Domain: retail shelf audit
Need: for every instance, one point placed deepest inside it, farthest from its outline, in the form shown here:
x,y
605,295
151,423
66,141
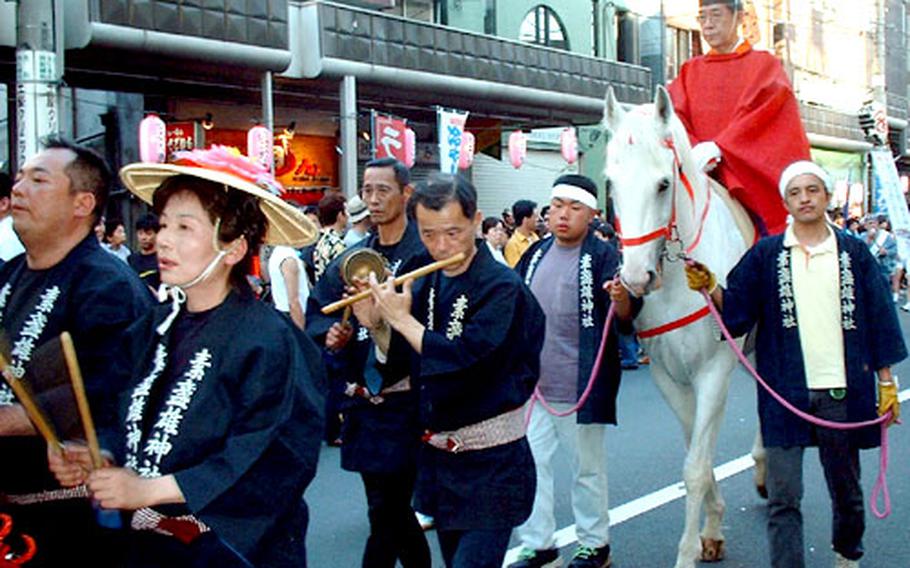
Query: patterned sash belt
x,y
355,390
496,431
185,528
78,492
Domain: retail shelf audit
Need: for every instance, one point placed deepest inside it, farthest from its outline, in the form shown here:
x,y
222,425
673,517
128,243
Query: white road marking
x,y
627,511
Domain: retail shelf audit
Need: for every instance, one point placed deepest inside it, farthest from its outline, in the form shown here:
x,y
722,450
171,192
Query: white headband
x,y
804,167
575,193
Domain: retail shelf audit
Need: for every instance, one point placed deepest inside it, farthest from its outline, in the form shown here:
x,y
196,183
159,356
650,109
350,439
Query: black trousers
x,y
395,533
474,548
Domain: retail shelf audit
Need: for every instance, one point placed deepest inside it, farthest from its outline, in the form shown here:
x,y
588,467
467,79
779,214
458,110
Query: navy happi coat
x,y
759,292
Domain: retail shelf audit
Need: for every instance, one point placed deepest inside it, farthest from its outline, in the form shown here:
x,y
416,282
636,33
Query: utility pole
x,y
38,75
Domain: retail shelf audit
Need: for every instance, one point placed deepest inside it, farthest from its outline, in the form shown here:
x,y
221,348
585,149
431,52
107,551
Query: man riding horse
x,y
741,115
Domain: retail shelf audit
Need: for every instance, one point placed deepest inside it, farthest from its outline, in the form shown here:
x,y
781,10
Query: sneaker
x,y
841,562
590,557
906,307
426,521
529,558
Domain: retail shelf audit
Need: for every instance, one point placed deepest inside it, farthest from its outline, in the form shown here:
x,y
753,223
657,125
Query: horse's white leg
x,y
711,387
761,464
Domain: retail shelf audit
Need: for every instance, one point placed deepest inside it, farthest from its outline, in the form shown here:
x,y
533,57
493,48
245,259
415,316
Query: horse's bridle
x,y
670,232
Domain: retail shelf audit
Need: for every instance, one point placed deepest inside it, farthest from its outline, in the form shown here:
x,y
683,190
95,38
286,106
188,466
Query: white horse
x,y
666,209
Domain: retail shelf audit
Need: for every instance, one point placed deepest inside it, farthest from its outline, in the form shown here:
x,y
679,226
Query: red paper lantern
x,y
568,143
259,146
518,148
152,140
410,148
466,157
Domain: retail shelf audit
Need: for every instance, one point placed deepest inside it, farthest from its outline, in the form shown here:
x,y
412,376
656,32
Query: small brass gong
x,y
360,263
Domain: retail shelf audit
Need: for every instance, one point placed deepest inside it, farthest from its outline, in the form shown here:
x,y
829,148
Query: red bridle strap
x,y
675,324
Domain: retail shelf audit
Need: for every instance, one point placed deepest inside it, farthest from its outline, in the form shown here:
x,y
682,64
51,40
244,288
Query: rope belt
x,y
354,390
489,433
185,528
78,492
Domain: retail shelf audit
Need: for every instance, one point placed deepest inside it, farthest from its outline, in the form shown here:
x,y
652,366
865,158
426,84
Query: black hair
x,y
330,207
488,224
442,189
110,225
88,172
402,173
522,209
238,211
148,222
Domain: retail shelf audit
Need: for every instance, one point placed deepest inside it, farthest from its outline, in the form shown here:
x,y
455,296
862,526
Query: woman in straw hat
x,y
222,422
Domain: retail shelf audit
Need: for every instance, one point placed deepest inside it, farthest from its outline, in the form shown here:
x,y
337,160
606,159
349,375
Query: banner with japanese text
x,y
388,136
451,132
889,197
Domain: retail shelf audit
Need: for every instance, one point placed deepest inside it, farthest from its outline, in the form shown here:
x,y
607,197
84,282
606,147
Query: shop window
x,y
421,10
542,27
683,44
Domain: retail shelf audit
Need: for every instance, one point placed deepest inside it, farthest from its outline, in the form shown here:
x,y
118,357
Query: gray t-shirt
x,y
555,285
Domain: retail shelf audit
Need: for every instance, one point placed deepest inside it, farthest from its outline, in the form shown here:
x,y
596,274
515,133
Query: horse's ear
x,y
663,105
613,111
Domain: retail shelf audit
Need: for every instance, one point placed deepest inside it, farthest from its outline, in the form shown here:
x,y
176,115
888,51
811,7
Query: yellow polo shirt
x,y
516,246
816,292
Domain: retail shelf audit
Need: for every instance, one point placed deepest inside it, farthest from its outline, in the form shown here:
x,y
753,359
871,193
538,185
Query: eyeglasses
x,y
712,16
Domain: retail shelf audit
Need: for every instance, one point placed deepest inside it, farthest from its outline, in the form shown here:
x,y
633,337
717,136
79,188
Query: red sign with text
x,y
389,137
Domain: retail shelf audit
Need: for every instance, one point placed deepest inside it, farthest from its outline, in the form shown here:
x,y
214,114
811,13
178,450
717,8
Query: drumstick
x,y
346,315
31,408
413,275
72,364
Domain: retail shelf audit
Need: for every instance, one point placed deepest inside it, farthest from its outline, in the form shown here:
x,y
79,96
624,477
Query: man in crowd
x,y
145,260
10,245
290,289
359,217
380,435
334,221
565,274
525,214
826,329
741,115
473,334
63,282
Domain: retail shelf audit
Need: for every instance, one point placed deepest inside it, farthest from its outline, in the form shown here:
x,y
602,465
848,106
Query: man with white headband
x,y
741,115
826,328
566,273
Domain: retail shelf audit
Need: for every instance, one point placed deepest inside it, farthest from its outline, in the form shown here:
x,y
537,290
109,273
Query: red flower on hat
x,y
230,161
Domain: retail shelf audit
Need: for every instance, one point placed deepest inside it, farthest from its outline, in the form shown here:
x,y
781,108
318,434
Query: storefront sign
x,y
184,136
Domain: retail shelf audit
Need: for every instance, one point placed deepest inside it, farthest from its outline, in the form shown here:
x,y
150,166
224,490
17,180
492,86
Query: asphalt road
x,y
645,454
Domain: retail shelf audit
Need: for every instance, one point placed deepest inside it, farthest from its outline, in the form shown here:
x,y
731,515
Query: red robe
x,y
743,102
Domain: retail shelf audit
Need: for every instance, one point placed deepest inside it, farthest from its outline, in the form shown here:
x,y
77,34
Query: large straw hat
x,y
287,225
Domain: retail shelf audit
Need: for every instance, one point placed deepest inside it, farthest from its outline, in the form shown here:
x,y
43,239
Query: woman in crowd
x,y
220,427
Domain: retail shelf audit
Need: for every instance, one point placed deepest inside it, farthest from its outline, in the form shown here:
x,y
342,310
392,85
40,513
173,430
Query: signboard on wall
x,y
184,136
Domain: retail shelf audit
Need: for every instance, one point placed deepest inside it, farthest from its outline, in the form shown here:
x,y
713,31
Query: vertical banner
x,y
450,124
889,198
388,136
36,100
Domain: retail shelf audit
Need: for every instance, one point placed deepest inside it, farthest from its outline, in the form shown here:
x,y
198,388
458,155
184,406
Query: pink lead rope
x,y
881,483
538,396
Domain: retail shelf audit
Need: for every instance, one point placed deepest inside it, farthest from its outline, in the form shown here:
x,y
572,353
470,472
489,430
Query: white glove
x,y
706,156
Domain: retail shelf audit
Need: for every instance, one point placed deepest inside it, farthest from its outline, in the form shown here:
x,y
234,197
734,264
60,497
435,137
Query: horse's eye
x,y
663,185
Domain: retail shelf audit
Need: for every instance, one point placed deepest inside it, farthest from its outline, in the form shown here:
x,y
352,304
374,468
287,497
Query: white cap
x,y
357,209
804,167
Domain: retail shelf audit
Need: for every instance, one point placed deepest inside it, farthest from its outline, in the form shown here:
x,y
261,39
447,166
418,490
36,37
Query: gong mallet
x,y
85,414
32,410
413,275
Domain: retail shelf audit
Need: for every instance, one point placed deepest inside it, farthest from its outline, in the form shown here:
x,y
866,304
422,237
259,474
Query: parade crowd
x,y
214,372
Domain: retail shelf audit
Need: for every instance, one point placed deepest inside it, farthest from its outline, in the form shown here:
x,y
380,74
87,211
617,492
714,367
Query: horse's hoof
x,y
712,550
762,491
